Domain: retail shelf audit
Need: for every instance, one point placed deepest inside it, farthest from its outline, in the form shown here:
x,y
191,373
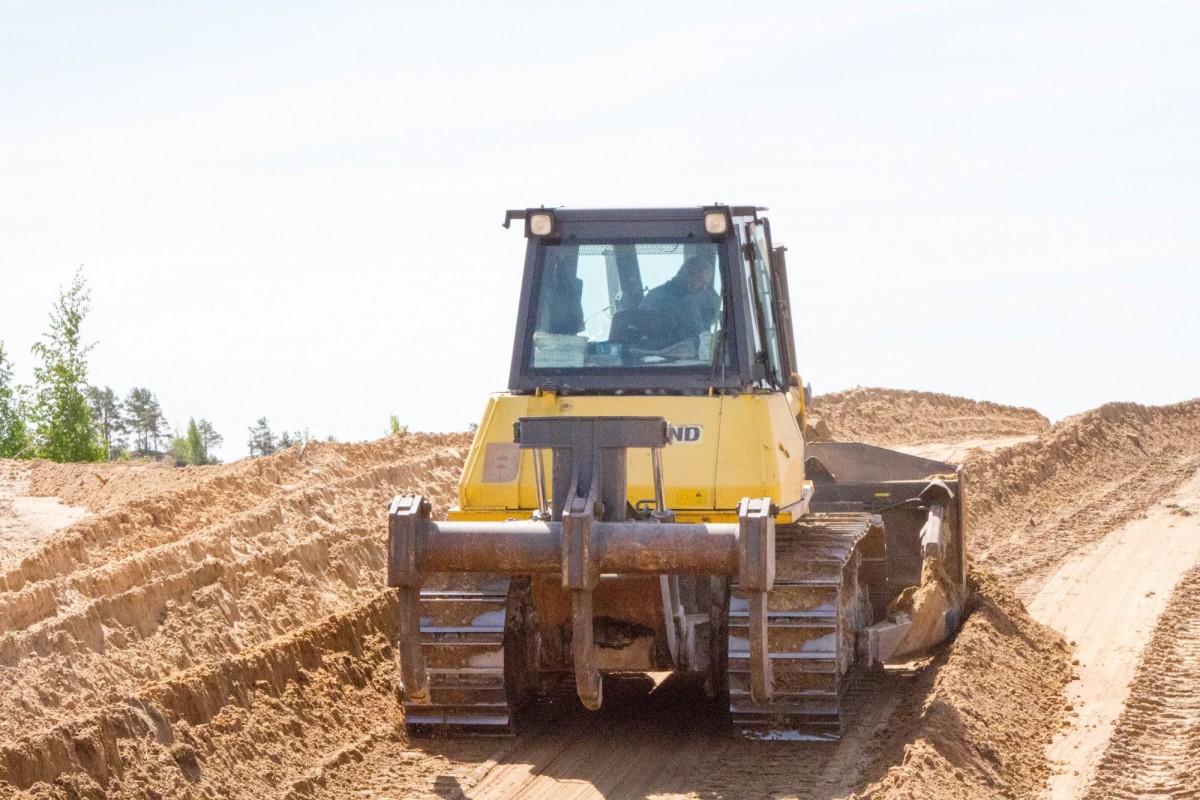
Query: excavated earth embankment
x,y
891,417
1035,503
995,701
221,629
224,632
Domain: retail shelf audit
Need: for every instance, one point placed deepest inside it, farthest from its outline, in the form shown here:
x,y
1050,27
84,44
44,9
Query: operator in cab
x,y
690,301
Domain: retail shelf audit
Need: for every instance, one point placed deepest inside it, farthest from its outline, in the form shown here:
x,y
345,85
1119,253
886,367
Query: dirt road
x,y
910,730
224,631
1155,748
1109,600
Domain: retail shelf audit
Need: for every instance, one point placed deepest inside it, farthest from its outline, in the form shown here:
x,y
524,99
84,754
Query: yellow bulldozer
x,y
644,498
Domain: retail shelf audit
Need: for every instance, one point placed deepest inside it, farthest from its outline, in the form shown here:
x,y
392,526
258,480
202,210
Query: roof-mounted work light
x,y
716,221
539,222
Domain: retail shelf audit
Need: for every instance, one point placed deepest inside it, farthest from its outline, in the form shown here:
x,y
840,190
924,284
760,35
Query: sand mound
x,y
982,730
1035,503
888,417
231,616
104,485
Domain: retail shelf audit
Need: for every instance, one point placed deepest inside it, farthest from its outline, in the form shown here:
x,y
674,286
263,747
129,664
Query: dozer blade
x,y
919,584
813,613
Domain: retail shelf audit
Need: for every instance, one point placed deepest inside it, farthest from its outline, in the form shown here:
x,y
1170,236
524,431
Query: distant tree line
x,y
263,441
63,418
137,428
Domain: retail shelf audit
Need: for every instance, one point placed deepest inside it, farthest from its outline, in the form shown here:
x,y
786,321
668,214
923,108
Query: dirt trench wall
x,y
212,631
281,704
1034,503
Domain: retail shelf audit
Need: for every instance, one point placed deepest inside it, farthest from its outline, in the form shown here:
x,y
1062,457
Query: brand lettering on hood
x,y
685,434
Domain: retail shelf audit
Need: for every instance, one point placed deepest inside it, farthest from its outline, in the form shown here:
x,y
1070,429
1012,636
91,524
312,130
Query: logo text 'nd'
x,y
685,434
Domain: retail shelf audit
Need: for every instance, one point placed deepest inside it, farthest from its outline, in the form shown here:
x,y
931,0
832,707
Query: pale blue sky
x,y
293,209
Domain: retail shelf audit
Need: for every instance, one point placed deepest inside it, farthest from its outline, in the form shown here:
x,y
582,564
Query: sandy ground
x,y
912,729
1155,749
224,632
25,522
1109,601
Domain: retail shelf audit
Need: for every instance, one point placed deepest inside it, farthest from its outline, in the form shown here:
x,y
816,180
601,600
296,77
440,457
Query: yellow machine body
x,y
723,448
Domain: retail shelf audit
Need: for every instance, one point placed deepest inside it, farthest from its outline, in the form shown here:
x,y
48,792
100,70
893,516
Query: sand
x,y
1155,746
224,632
1109,600
890,417
223,626
960,452
25,521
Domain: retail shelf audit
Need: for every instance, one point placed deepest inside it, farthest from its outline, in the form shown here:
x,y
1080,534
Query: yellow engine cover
x,y
723,448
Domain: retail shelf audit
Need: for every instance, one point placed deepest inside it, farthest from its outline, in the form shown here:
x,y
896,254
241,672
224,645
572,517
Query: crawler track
x,y
814,611
462,639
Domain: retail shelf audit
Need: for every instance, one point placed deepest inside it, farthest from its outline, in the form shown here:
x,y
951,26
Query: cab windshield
x,y
628,304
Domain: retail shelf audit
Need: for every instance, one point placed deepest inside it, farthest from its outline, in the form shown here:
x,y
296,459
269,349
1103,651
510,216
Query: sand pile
x,y
995,703
98,487
227,616
888,417
1035,503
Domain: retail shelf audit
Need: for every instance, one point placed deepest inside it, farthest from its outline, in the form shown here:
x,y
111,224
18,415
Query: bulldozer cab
x,y
676,301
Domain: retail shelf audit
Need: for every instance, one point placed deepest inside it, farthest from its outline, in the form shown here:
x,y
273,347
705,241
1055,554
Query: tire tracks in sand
x,y
1109,601
1155,749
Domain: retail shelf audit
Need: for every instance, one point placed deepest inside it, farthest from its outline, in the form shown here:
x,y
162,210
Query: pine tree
x,y
145,419
63,427
211,438
13,437
107,413
262,440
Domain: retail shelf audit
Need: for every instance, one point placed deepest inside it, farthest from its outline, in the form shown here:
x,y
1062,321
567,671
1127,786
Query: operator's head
x,y
697,274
